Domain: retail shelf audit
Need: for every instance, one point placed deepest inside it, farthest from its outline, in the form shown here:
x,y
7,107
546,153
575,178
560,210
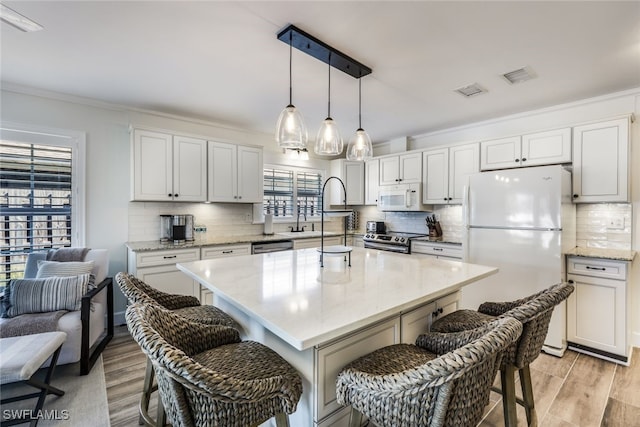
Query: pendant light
x,y
359,147
291,131
328,142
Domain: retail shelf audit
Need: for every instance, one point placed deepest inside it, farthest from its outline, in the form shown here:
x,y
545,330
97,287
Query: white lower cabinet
x,y
330,360
219,251
597,310
158,269
315,242
418,321
437,249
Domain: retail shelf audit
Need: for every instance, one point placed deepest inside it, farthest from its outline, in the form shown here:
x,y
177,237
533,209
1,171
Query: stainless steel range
x,y
393,241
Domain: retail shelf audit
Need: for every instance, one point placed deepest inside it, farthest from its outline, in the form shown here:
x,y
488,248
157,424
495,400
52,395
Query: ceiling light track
x,y
322,51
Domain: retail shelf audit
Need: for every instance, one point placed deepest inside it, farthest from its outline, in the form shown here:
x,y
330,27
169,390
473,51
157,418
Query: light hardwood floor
x,y
575,390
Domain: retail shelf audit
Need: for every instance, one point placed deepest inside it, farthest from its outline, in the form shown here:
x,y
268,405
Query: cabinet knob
x,y
445,199
570,281
517,160
524,159
175,195
239,197
235,197
575,196
169,194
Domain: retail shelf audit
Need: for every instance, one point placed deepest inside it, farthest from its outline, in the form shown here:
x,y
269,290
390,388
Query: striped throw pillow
x,y
24,296
63,269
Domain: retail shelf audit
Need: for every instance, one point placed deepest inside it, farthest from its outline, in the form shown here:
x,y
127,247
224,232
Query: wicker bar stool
x,y
443,380
189,307
207,376
535,313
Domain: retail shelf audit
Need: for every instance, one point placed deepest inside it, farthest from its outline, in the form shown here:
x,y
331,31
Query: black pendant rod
x,y
329,94
322,51
290,73
359,104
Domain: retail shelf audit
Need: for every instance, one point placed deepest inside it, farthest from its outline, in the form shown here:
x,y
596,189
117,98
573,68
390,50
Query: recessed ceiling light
x,y
520,75
471,90
21,22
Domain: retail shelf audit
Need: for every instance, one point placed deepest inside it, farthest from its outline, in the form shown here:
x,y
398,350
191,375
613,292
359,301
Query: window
x,y
41,203
283,186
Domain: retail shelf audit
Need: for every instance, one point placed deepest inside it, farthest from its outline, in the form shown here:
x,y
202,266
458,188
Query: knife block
x,y
435,231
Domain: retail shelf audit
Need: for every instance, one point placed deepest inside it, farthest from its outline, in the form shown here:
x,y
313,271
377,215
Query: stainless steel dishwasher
x,y
266,247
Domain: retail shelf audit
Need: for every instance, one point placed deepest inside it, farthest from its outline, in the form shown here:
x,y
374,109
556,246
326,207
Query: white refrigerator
x,y
521,221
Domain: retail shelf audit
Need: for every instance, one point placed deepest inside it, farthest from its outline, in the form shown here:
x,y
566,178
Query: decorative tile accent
x,y
593,228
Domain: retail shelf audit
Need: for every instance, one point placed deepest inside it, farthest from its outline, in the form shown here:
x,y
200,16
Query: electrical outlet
x,y
248,217
616,223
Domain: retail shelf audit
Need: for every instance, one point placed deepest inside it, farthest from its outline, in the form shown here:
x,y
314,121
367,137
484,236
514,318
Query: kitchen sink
x,y
303,234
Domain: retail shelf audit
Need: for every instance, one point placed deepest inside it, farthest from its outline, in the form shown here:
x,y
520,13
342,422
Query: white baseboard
x,y
635,339
119,319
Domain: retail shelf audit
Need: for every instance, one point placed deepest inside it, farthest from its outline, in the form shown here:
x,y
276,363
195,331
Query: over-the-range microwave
x,y
401,197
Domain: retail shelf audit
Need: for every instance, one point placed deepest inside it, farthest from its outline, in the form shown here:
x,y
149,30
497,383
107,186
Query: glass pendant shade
x,y
359,147
328,142
291,131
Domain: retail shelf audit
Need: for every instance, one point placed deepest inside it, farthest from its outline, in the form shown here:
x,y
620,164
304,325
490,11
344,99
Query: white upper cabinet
x,y
541,148
352,175
167,167
371,181
445,173
405,169
235,173
601,162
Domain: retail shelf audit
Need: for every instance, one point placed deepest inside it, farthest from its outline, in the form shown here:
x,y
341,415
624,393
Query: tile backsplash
x,y
220,219
604,225
450,218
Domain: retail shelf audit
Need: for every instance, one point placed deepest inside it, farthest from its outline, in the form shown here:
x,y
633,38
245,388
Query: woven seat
x,y
189,307
207,376
534,312
443,380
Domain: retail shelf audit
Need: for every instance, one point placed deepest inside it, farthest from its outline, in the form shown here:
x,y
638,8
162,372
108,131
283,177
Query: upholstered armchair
x,y
89,327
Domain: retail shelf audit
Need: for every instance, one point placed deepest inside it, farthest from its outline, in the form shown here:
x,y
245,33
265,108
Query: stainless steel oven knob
x,y
402,239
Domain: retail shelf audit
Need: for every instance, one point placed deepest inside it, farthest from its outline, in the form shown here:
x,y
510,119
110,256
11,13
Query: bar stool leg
x,y
355,418
527,396
161,414
507,379
147,389
282,420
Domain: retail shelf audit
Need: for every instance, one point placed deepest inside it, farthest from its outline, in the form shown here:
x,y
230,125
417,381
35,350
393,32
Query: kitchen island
x,y
319,319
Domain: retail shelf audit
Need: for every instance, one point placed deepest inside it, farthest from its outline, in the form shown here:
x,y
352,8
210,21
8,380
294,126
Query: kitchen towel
x,y
268,224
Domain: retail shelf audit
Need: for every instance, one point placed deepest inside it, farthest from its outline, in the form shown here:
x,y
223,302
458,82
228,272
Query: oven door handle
x,y
384,247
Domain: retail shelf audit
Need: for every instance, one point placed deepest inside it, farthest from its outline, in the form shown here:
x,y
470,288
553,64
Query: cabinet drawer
x,y
436,249
224,251
597,267
148,259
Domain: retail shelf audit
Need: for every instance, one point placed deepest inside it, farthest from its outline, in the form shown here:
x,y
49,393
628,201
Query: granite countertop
x,y
614,254
156,245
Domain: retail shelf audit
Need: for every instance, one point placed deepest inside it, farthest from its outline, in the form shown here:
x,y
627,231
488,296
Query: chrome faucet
x,y
298,229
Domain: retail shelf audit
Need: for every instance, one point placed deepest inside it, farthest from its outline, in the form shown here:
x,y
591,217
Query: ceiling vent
x,y
520,75
471,90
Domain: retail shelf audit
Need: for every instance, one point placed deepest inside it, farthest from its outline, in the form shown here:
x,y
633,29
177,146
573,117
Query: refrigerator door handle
x,y
465,222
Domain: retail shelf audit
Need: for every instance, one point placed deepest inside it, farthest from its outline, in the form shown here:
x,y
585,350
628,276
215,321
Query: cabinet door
x,y
152,166
596,313
435,169
167,278
250,175
447,304
211,252
371,181
410,168
189,169
463,161
600,162
354,173
416,322
546,148
332,358
389,170
222,172
500,153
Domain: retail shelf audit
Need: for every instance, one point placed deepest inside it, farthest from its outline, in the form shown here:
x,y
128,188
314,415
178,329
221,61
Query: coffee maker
x,y
176,228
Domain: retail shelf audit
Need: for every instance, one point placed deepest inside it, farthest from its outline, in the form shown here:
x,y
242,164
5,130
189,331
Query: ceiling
x,y
221,61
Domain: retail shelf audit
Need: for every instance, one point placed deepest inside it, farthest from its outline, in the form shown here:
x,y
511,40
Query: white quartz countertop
x,y
306,305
